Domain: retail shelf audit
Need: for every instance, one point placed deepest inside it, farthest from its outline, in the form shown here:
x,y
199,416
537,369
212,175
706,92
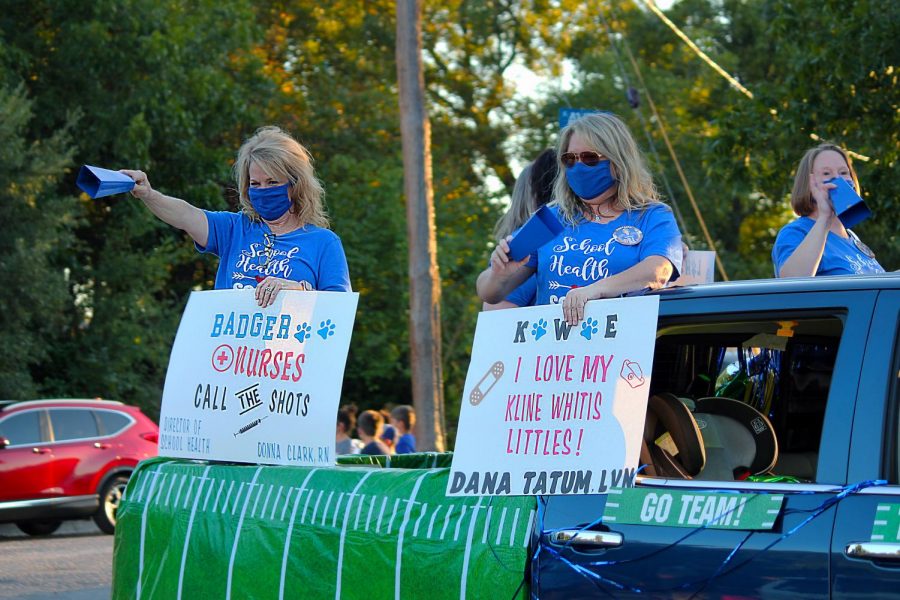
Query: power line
x,y
644,125
665,135
734,82
681,175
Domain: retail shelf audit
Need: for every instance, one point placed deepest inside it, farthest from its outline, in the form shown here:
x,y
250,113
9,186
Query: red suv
x,y
68,459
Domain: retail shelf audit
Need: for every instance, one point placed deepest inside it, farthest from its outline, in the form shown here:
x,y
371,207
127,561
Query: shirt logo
x,y
628,235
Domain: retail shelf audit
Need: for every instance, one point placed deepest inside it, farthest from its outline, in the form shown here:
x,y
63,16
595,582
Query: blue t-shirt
x,y
249,252
406,444
589,251
525,294
840,257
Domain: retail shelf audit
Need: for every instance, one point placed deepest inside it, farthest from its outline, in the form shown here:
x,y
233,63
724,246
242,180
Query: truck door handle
x,y
597,539
101,446
873,550
41,450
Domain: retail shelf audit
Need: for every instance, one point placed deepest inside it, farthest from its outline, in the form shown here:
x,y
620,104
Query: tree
x,y
36,233
339,65
424,277
739,157
159,87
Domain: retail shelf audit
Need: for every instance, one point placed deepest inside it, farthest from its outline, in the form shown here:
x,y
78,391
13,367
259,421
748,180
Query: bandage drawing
x,y
478,394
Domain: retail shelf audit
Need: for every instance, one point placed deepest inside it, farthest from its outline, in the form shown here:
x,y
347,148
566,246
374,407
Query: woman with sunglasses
x,y
817,243
280,240
618,236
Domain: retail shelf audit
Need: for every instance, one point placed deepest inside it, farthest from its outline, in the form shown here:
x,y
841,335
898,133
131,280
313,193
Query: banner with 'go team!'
x,y
257,385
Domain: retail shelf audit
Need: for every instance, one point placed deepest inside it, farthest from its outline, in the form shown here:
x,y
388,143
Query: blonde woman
x,y
618,237
280,240
817,243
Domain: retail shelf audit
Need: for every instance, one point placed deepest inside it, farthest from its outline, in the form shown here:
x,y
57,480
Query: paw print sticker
x,y
539,329
326,329
303,332
589,328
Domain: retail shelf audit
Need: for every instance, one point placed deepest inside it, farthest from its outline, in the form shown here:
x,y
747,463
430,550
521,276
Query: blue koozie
x,y
97,182
848,206
542,227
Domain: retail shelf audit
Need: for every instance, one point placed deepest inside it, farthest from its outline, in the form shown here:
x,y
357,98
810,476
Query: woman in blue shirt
x,y
280,240
618,236
818,243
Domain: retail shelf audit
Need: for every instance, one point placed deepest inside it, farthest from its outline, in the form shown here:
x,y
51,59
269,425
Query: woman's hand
x,y
501,263
820,194
142,187
503,275
269,287
574,302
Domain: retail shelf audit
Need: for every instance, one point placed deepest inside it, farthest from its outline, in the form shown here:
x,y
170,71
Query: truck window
x,y
756,389
893,459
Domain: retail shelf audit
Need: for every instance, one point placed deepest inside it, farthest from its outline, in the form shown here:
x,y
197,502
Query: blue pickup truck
x,y
817,361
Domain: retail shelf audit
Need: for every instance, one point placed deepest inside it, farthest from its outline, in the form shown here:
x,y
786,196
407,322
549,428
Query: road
x,y
75,563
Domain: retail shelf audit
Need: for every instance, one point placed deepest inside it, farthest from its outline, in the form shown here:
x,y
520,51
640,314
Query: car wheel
x,y
110,497
38,528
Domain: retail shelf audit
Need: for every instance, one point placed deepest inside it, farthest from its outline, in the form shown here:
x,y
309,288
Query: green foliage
x,y
174,87
36,232
835,80
158,87
823,67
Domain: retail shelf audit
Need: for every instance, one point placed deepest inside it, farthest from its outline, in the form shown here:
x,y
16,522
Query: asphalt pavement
x,y
74,563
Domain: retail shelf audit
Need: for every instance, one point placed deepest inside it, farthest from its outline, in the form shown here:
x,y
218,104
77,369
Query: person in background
x,y
369,426
403,418
619,237
280,239
817,243
533,189
346,421
388,435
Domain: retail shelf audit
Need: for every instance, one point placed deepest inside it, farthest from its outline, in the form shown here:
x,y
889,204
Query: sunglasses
x,y
588,157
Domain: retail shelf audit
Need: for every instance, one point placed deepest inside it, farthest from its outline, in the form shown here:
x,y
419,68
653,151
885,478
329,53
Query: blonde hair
x,y
520,207
607,134
280,156
801,196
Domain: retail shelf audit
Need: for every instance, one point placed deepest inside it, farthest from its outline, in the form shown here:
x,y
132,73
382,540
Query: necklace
x,y
597,217
597,214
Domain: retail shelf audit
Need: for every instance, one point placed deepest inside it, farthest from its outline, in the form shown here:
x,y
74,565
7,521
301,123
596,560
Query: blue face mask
x,y
271,202
589,182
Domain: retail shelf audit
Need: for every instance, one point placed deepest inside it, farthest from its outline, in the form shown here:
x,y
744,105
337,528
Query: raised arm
x,y
174,211
804,260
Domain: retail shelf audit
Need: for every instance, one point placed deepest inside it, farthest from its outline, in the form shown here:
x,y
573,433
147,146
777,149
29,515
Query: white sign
x,y
699,266
553,409
257,385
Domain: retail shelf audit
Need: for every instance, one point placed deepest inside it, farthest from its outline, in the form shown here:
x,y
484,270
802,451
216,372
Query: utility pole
x,y
424,278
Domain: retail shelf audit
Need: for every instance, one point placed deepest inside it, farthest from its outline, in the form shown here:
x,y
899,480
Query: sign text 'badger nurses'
x,y
553,409
257,385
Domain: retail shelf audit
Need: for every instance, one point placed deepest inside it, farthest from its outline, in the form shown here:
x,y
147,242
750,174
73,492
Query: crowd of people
x,y
379,432
618,236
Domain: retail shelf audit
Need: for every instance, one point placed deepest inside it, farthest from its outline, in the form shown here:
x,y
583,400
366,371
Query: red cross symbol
x,y
222,358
